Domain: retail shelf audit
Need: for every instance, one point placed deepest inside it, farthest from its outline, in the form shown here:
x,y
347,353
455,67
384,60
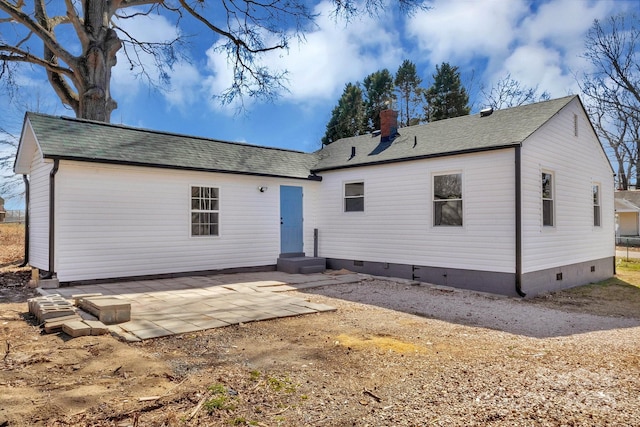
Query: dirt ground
x,y
391,355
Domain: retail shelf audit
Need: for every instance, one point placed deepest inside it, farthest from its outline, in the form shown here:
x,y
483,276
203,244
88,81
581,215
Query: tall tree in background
x,y
508,92
446,98
612,90
10,185
76,42
407,84
379,95
348,117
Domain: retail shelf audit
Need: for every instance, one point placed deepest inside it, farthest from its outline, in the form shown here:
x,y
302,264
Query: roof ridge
x,y
160,132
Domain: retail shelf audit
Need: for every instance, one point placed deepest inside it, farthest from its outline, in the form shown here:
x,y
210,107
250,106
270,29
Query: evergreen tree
x,y
347,118
408,86
446,98
378,88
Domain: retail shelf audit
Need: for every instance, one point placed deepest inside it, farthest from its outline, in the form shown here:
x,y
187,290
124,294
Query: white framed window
x,y
596,205
205,211
447,200
354,196
548,211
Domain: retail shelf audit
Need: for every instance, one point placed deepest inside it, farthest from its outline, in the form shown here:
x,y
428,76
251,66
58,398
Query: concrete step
x,y
302,265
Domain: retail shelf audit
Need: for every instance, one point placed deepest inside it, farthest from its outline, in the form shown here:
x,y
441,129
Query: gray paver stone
x,y
76,328
108,310
55,324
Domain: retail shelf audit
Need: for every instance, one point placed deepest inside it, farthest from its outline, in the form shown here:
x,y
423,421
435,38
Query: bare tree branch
x,y
41,32
244,30
508,92
612,90
76,22
18,55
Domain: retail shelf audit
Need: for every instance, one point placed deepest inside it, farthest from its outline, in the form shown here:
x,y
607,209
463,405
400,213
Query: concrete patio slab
x,y
164,307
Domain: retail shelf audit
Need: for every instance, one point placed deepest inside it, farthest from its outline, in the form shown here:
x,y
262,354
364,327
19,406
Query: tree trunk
x,y
98,58
623,183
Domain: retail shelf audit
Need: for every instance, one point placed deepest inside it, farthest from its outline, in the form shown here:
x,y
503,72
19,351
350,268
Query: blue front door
x,y
290,219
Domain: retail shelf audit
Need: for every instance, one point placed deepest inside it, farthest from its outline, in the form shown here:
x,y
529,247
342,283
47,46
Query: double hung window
x,y
547,200
354,197
205,211
596,205
447,200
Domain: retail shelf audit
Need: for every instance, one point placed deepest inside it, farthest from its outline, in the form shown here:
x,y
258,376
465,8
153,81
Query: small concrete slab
x,y
55,325
97,327
76,329
108,310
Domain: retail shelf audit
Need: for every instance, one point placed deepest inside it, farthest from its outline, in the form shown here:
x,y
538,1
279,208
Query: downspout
x,y
518,183
26,222
52,211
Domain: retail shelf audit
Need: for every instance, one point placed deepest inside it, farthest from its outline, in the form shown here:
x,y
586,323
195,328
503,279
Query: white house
x,y
628,213
514,201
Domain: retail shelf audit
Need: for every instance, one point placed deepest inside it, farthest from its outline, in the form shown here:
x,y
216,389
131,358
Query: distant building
x,y
628,213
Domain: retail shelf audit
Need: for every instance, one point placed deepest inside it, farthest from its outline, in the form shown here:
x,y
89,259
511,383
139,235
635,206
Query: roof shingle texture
x,y
470,133
74,139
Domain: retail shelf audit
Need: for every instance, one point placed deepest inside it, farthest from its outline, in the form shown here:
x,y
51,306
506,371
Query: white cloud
x,y
184,77
549,45
331,55
538,44
535,65
459,31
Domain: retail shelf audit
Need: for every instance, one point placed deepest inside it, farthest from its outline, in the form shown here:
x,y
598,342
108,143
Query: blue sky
x,y
537,42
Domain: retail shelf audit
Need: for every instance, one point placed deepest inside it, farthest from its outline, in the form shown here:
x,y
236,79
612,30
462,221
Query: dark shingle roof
x,y
74,139
632,196
503,128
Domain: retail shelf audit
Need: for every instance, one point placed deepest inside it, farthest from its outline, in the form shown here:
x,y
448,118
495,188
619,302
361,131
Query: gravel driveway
x,y
507,314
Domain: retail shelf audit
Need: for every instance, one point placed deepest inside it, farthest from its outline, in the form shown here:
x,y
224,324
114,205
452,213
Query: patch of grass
x,y
254,375
217,403
217,389
630,264
220,399
285,385
617,296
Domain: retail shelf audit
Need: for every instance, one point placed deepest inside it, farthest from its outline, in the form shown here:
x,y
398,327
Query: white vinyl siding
x,y
398,225
120,221
576,163
39,212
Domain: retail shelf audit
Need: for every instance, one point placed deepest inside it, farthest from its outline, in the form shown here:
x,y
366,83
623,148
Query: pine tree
x,y
408,86
378,88
347,118
446,98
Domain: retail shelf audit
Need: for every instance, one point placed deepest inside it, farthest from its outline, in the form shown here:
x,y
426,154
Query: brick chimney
x,y
388,125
